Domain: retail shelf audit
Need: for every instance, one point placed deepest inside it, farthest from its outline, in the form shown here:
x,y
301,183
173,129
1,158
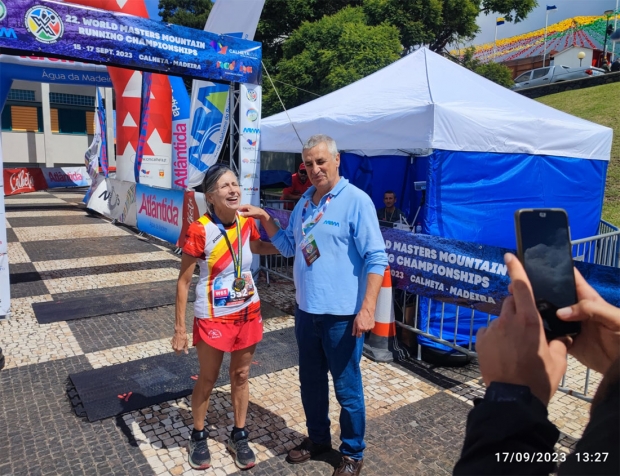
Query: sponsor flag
x,y
209,112
180,132
551,7
500,21
144,119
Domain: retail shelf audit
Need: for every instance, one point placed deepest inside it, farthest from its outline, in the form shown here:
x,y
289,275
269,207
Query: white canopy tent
x,y
425,101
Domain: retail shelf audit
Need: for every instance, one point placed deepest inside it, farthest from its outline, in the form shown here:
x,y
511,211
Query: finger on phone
x,y
521,287
584,290
596,311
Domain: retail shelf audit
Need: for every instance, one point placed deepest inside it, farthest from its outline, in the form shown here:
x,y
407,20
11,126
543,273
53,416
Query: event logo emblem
x,y
252,114
161,172
2,11
221,49
252,142
44,24
252,95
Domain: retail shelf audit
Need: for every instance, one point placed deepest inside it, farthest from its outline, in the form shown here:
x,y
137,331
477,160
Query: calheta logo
x,y
44,24
2,11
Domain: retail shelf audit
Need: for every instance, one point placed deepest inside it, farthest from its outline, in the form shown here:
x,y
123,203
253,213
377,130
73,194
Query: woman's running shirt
x,y
216,297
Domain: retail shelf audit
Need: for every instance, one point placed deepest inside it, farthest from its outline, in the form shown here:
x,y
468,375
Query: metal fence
x,y
602,249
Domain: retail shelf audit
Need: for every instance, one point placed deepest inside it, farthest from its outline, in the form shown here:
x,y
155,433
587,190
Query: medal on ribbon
x,y
239,282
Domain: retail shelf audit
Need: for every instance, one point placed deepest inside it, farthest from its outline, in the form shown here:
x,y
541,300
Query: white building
x,y
570,57
50,125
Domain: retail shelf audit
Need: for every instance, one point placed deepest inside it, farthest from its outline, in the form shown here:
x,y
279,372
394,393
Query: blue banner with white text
x,y
101,36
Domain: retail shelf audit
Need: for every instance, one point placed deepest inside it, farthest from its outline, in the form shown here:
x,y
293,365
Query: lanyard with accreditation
x,y
308,246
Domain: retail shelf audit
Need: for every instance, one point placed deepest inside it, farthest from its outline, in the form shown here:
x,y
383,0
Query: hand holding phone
x,y
543,246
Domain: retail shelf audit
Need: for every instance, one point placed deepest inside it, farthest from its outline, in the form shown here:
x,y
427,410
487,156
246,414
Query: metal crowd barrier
x,y
602,249
277,203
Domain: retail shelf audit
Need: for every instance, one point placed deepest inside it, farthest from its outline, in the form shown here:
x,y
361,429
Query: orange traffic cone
x,y
379,345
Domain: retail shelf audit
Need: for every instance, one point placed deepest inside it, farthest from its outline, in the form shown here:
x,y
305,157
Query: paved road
x,y
416,413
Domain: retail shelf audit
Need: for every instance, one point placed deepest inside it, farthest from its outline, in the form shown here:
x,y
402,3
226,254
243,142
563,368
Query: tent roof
x,y
424,101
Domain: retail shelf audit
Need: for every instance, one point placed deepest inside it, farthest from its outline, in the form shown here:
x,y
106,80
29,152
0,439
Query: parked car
x,y
554,74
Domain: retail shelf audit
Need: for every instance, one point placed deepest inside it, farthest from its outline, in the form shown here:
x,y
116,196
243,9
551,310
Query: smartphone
x,y
544,249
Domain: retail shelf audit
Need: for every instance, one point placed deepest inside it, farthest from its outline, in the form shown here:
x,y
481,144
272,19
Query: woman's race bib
x,y
224,293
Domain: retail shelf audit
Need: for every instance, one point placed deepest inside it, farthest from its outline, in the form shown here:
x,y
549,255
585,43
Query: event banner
x,y
115,199
51,70
99,36
468,274
159,212
180,132
32,179
23,180
249,155
60,177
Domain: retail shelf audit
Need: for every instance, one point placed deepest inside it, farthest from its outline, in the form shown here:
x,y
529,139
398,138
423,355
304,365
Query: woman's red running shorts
x,y
228,336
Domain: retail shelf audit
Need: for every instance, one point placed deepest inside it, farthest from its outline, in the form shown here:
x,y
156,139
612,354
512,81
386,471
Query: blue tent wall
x,y
473,197
375,175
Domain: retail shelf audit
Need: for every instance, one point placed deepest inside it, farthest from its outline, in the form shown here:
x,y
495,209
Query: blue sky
x,y
536,19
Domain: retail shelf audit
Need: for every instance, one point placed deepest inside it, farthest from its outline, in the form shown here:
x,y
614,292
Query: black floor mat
x,y
130,299
110,391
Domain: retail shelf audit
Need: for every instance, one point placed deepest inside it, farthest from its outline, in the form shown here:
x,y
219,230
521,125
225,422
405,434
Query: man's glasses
x,y
302,172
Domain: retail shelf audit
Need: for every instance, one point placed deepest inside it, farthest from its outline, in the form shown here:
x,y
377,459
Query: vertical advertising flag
x,y
144,118
180,133
249,155
209,113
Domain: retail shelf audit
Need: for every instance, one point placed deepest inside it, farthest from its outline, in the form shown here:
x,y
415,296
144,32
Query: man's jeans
x,y
326,344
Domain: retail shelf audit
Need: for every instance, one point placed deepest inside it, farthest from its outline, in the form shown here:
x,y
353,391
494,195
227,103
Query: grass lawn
x,y
600,105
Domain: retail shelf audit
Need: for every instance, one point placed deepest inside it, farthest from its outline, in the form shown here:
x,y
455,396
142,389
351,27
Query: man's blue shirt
x,y
350,245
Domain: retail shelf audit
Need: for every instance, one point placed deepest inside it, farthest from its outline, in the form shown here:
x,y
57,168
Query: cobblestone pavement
x,y
416,412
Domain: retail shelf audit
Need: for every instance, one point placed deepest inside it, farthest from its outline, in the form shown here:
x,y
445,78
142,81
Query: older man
x,y
339,264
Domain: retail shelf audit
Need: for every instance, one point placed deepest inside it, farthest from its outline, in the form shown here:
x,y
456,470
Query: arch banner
x,y
100,36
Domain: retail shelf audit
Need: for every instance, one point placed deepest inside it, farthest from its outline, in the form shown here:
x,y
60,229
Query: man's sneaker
x,y
199,456
349,467
307,450
238,446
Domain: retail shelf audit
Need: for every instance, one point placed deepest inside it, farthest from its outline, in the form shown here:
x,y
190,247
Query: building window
x,y
71,121
20,95
72,99
22,118
6,118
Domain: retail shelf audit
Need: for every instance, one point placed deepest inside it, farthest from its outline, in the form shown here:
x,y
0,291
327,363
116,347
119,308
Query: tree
x,y
190,13
437,23
327,54
496,72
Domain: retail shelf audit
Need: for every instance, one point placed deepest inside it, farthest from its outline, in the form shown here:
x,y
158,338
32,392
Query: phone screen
x,y
545,251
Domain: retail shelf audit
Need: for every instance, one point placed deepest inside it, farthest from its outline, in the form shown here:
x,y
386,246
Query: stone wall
x,y
554,88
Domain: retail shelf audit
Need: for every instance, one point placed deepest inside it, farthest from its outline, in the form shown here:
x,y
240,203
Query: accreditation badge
x,y
309,249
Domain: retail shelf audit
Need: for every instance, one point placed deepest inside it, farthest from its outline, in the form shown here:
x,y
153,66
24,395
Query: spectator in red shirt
x,y
299,185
